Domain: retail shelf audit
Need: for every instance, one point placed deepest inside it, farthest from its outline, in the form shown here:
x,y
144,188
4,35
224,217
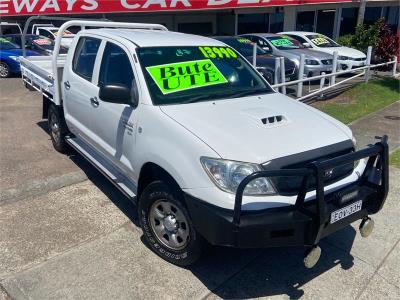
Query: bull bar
x,y
374,178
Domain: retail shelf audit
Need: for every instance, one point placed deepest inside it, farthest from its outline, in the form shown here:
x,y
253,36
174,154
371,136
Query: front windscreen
x,y
283,42
322,41
177,75
243,46
5,44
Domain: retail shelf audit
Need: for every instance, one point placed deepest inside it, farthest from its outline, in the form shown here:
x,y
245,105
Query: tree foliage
x,y
385,44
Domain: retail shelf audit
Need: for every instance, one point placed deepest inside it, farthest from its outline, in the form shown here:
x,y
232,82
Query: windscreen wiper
x,y
235,94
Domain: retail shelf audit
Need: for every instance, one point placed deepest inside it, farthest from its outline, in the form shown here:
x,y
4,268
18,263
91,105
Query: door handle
x,y
67,85
94,101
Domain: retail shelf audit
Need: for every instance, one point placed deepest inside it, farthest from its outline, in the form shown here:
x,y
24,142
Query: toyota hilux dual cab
x,y
190,131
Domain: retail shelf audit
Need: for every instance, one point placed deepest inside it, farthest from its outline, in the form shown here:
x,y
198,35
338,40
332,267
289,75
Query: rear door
x,y
80,93
116,122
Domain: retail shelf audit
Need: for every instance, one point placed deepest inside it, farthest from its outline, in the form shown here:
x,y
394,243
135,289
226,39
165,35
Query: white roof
x,y
299,32
149,38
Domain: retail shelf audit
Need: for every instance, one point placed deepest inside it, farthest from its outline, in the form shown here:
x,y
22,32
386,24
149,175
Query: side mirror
x,y
307,45
266,48
115,94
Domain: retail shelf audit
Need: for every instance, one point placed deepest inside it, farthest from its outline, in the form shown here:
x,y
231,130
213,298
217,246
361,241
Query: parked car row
x,y
318,50
265,60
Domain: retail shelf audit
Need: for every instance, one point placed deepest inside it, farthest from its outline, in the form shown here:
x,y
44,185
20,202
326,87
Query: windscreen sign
x,y
176,77
45,7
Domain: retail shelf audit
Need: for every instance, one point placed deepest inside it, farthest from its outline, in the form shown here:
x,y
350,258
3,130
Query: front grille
x,y
327,61
359,59
289,186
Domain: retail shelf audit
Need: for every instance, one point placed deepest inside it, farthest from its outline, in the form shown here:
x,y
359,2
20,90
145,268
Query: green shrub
x,y
385,44
346,40
366,36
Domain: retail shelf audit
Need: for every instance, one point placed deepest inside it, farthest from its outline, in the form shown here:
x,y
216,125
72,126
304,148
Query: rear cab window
x,y
85,57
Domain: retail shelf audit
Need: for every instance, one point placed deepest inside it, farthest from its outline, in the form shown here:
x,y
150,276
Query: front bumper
x,y
304,223
350,64
311,70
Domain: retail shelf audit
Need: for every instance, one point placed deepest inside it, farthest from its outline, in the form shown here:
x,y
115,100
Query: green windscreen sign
x,y
176,77
281,42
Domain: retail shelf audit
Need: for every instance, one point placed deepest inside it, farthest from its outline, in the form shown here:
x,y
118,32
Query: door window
x,y
85,57
46,33
116,69
261,42
299,38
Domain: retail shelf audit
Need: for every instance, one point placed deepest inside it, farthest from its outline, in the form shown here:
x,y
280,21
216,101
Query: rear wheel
x,y
58,129
167,226
4,70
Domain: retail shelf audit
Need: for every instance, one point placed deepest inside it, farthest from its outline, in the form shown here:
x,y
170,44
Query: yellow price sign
x,y
218,52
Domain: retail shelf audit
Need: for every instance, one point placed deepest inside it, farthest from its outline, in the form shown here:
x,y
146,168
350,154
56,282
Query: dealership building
x,y
219,17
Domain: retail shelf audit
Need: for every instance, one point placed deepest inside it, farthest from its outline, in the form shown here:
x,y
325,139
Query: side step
x,y
105,167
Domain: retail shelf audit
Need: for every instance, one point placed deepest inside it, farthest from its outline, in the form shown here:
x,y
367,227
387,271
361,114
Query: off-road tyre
x,y
157,192
58,129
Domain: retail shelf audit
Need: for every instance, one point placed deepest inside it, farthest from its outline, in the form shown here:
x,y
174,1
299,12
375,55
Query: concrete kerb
x,y
36,187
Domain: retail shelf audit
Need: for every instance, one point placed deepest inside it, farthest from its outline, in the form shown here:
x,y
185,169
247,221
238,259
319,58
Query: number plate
x,y
346,211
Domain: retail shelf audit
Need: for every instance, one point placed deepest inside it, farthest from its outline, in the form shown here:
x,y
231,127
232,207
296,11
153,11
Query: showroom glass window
x,y
305,21
325,21
253,23
392,16
372,14
349,21
200,28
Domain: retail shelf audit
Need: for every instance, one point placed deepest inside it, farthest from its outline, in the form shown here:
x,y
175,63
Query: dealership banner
x,y
46,7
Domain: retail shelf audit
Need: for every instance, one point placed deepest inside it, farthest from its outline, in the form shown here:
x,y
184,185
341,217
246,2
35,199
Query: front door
x,y
116,122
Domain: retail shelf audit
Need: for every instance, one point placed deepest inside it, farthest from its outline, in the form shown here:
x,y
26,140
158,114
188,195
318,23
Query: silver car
x,y
316,62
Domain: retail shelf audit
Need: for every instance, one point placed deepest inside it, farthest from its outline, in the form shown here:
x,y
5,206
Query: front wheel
x,y
58,129
167,226
4,70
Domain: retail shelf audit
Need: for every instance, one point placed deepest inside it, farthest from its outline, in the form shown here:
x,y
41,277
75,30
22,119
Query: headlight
x,y
16,58
227,175
343,57
311,62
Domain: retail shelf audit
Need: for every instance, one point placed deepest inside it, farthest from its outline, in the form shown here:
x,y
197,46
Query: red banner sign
x,y
47,7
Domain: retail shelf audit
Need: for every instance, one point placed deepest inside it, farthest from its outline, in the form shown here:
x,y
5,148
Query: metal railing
x,y
281,84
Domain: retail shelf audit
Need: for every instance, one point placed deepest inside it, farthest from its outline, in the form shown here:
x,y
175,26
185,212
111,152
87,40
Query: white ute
x,y
209,152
